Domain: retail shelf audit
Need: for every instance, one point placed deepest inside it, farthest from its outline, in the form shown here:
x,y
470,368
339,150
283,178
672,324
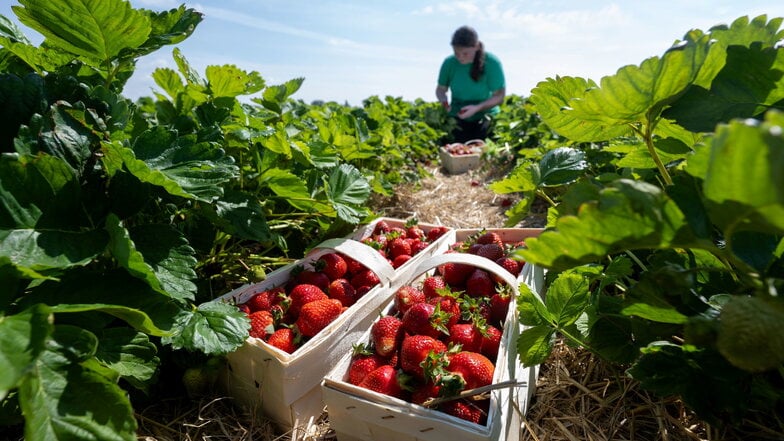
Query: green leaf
x,y
46,250
212,328
530,309
668,150
535,344
20,98
94,29
22,339
168,80
519,180
66,134
560,166
136,318
124,250
241,215
278,142
743,180
231,81
348,189
131,354
168,27
567,297
62,400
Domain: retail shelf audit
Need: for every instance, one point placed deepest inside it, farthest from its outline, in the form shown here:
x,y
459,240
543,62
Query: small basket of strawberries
x,y
439,362
459,157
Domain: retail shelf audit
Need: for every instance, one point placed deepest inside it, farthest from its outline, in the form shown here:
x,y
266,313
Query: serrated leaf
x,y
240,214
535,344
93,29
168,80
22,339
63,400
129,353
519,180
172,259
567,297
50,249
168,27
212,328
136,318
231,81
530,308
124,251
348,189
561,166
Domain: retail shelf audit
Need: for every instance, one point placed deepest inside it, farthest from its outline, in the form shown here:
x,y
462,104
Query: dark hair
x,y
466,36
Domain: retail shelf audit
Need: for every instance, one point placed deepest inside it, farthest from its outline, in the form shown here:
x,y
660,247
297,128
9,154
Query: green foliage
x,y
643,267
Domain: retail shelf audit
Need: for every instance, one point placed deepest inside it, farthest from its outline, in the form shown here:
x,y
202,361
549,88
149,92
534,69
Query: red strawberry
x,y
510,265
417,246
490,237
332,264
303,294
469,410
415,232
425,391
384,380
313,278
342,290
261,323
415,349
455,274
470,370
381,227
316,315
400,260
386,334
490,343
432,285
399,246
362,363
284,339
499,307
436,232
480,284
467,335
353,267
491,251
419,320
261,301
364,278
447,312
406,296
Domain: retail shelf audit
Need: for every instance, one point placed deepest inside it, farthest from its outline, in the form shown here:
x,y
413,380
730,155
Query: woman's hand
x,y
468,111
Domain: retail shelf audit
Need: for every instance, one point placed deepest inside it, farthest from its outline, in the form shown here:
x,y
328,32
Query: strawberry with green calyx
x,y
264,300
261,324
363,361
499,306
285,339
399,246
386,334
425,319
466,370
432,285
331,264
415,349
447,312
413,230
485,237
316,315
386,380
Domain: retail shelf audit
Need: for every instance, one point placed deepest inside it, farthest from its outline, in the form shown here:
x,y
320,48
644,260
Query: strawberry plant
x,y
668,261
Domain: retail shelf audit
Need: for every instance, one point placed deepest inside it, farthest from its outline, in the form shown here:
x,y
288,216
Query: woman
x,y
476,81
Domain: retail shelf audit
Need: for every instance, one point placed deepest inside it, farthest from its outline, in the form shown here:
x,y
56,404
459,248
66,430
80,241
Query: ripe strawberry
x,y
415,232
510,265
436,232
490,237
261,323
415,349
490,342
455,274
417,246
264,300
492,251
446,314
406,296
469,370
342,290
362,363
432,285
313,278
384,380
284,339
466,335
480,284
365,277
399,246
353,267
381,227
466,410
400,260
303,294
331,264
499,307
425,391
419,320
386,334
316,315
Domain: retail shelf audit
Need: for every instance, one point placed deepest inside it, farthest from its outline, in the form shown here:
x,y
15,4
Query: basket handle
x,y
365,254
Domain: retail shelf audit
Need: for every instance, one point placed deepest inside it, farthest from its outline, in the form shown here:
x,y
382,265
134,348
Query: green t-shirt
x,y
464,90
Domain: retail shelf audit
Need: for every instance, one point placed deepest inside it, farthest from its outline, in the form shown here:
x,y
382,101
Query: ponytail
x,y
478,66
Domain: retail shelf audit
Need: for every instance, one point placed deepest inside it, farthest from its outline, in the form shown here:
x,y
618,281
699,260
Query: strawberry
x,y
490,237
469,370
436,232
263,301
490,342
466,335
316,315
417,246
415,349
455,274
492,251
469,410
342,290
425,391
313,278
400,260
419,320
365,277
303,294
406,296
284,339
399,246
447,312
386,334
362,363
432,285
385,380
381,227
510,265
415,232
261,323
331,264
499,307
480,284
353,267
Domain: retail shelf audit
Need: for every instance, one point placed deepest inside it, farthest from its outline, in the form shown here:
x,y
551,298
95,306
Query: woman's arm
x,y
441,95
495,99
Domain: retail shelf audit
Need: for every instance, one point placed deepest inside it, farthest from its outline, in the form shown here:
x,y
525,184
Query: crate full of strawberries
x,y
460,157
301,317
439,363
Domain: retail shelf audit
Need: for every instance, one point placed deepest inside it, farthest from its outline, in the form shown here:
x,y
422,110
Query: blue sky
x,y
350,50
